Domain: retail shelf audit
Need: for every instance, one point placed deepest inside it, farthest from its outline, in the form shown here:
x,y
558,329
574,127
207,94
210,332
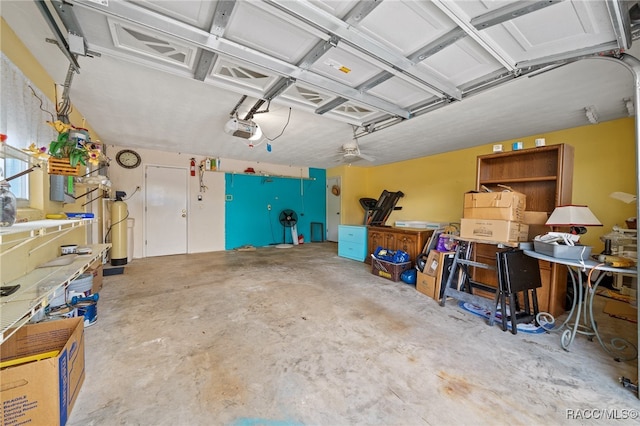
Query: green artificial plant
x,y
71,148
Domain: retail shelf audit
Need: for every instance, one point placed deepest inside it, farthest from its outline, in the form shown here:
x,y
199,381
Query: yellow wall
x,y
358,187
605,161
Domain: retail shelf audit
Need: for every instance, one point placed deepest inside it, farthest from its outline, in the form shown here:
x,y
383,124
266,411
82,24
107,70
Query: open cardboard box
x,y
42,388
495,205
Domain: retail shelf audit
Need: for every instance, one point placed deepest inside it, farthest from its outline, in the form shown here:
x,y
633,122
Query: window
x,y
24,112
12,162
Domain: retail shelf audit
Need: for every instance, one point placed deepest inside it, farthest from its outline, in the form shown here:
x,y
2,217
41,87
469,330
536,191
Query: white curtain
x,y
22,116
24,111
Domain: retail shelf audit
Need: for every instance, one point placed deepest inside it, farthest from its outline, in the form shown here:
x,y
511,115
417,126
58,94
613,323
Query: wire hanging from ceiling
x,y
40,100
283,129
249,118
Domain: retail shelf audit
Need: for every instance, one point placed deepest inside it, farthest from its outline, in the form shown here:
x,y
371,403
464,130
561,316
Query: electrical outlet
x,y
268,206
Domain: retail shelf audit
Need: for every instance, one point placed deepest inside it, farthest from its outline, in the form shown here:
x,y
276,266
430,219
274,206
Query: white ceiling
x,y
410,78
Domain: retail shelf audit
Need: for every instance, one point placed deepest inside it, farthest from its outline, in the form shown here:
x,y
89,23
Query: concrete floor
x,y
301,336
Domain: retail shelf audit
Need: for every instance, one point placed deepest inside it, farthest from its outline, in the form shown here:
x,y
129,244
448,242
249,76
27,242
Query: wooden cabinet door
x,y
390,239
407,243
375,239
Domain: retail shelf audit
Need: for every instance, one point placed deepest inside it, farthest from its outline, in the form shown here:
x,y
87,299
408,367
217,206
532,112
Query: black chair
x,y
517,273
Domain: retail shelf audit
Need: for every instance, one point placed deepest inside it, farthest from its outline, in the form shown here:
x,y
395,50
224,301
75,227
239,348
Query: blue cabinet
x,y
352,242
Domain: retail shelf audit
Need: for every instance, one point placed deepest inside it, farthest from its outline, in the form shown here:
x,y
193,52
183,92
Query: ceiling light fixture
x,y
591,114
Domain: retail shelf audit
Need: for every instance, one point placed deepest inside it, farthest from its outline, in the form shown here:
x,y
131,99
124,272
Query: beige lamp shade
x,y
572,216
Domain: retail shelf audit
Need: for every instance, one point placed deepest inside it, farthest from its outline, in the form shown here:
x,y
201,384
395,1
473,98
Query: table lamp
x,y
573,216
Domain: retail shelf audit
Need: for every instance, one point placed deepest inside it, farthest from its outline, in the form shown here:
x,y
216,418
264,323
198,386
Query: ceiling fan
x,y
350,152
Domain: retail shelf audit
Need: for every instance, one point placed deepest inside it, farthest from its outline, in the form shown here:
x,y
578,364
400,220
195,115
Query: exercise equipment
x,y
377,211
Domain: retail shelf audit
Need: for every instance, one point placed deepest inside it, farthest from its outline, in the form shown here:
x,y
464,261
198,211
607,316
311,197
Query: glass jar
x,y
8,205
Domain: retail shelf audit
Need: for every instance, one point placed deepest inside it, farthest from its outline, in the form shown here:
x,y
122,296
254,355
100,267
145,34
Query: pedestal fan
x,y
288,219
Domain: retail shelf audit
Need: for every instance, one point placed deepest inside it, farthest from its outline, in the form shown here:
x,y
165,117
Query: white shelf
x,y
19,232
7,151
267,175
38,286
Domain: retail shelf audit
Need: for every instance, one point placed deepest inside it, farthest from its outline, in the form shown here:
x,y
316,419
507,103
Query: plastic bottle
x,y
8,205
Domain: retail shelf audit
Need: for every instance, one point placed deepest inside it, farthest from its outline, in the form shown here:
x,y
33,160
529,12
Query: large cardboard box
x,y
494,230
42,392
430,280
495,205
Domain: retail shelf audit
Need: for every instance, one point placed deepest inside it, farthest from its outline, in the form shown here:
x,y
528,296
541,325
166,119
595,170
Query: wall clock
x,y
128,159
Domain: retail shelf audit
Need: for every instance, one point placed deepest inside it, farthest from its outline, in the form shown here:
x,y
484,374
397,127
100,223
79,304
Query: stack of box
x,y
494,216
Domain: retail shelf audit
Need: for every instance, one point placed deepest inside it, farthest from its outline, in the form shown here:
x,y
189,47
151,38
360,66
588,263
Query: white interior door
x,y
165,210
333,209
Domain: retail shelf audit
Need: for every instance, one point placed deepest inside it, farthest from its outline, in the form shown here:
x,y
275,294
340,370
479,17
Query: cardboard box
x,y
42,391
622,310
426,284
430,280
536,222
96,269
494,230
495,205
535,218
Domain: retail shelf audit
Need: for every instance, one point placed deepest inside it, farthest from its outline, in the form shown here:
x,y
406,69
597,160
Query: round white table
x,y
619,348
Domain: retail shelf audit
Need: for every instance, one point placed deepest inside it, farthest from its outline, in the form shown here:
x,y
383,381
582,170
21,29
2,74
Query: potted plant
x,y
69,147
73,145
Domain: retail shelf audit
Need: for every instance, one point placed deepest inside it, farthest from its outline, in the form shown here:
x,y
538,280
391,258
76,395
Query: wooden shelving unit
x,y
545,176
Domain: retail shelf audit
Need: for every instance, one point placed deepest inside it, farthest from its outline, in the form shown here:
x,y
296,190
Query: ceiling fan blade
x,y
367,157
352,159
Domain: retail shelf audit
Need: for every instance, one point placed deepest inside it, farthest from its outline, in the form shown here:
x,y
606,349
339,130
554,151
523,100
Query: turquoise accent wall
x,y
247,219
